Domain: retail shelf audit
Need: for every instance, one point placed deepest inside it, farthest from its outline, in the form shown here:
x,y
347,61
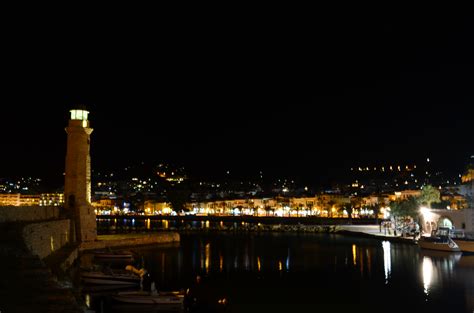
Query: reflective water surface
x,y
309,273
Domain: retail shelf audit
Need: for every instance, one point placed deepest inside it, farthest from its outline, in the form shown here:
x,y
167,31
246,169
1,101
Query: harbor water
x,y
282,272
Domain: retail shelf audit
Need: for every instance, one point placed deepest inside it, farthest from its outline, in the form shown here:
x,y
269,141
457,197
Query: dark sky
x,y
307,98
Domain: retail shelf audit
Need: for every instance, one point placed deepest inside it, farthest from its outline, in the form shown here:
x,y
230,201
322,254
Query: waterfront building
x,y
17,199
328,204
459,219
54,199
44,199
152,207
105,206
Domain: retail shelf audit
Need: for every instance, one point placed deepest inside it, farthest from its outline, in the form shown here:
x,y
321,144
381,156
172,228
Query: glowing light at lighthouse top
x,y
79,115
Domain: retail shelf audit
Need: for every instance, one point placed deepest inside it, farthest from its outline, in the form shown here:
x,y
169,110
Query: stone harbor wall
x,y
469,220
42,230
43,238
28,213
132,240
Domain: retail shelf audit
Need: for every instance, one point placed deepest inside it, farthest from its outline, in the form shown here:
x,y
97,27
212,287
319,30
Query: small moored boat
x,y
440,240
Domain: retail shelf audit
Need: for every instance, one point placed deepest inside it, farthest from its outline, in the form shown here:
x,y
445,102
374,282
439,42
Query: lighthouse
x,y
77,184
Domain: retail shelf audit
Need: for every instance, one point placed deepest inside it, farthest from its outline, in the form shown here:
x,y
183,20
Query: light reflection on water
x,y
221,262
272,270
437,267
387,262
354,254
427,274
208,256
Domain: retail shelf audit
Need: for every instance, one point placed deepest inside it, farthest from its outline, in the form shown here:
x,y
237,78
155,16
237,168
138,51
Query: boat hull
x,y
439,246
465,245
105,279
98,281
139,297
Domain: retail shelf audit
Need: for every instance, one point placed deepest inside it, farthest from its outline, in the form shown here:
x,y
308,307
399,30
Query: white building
x,y
459,219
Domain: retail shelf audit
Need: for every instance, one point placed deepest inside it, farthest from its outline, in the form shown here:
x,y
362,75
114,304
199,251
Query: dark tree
x,y
402,209
348,207
178,196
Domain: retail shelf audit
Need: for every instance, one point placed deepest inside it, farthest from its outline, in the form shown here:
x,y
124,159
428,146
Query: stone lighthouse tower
x,y
77,185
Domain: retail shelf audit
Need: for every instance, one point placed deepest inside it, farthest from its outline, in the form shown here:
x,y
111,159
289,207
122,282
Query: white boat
x,y
145,297
439,240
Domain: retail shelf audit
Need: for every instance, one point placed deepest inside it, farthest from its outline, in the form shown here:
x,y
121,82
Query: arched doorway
x,y
445,222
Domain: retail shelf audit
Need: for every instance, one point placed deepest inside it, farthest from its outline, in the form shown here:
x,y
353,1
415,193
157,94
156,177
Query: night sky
x,y
306,99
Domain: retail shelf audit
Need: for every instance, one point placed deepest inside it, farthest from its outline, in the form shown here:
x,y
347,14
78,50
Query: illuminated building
x,y
156,208
54,199
404,194
16,199
469,176
459,219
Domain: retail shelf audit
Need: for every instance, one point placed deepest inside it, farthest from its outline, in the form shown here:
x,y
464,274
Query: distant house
x,y
16,199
